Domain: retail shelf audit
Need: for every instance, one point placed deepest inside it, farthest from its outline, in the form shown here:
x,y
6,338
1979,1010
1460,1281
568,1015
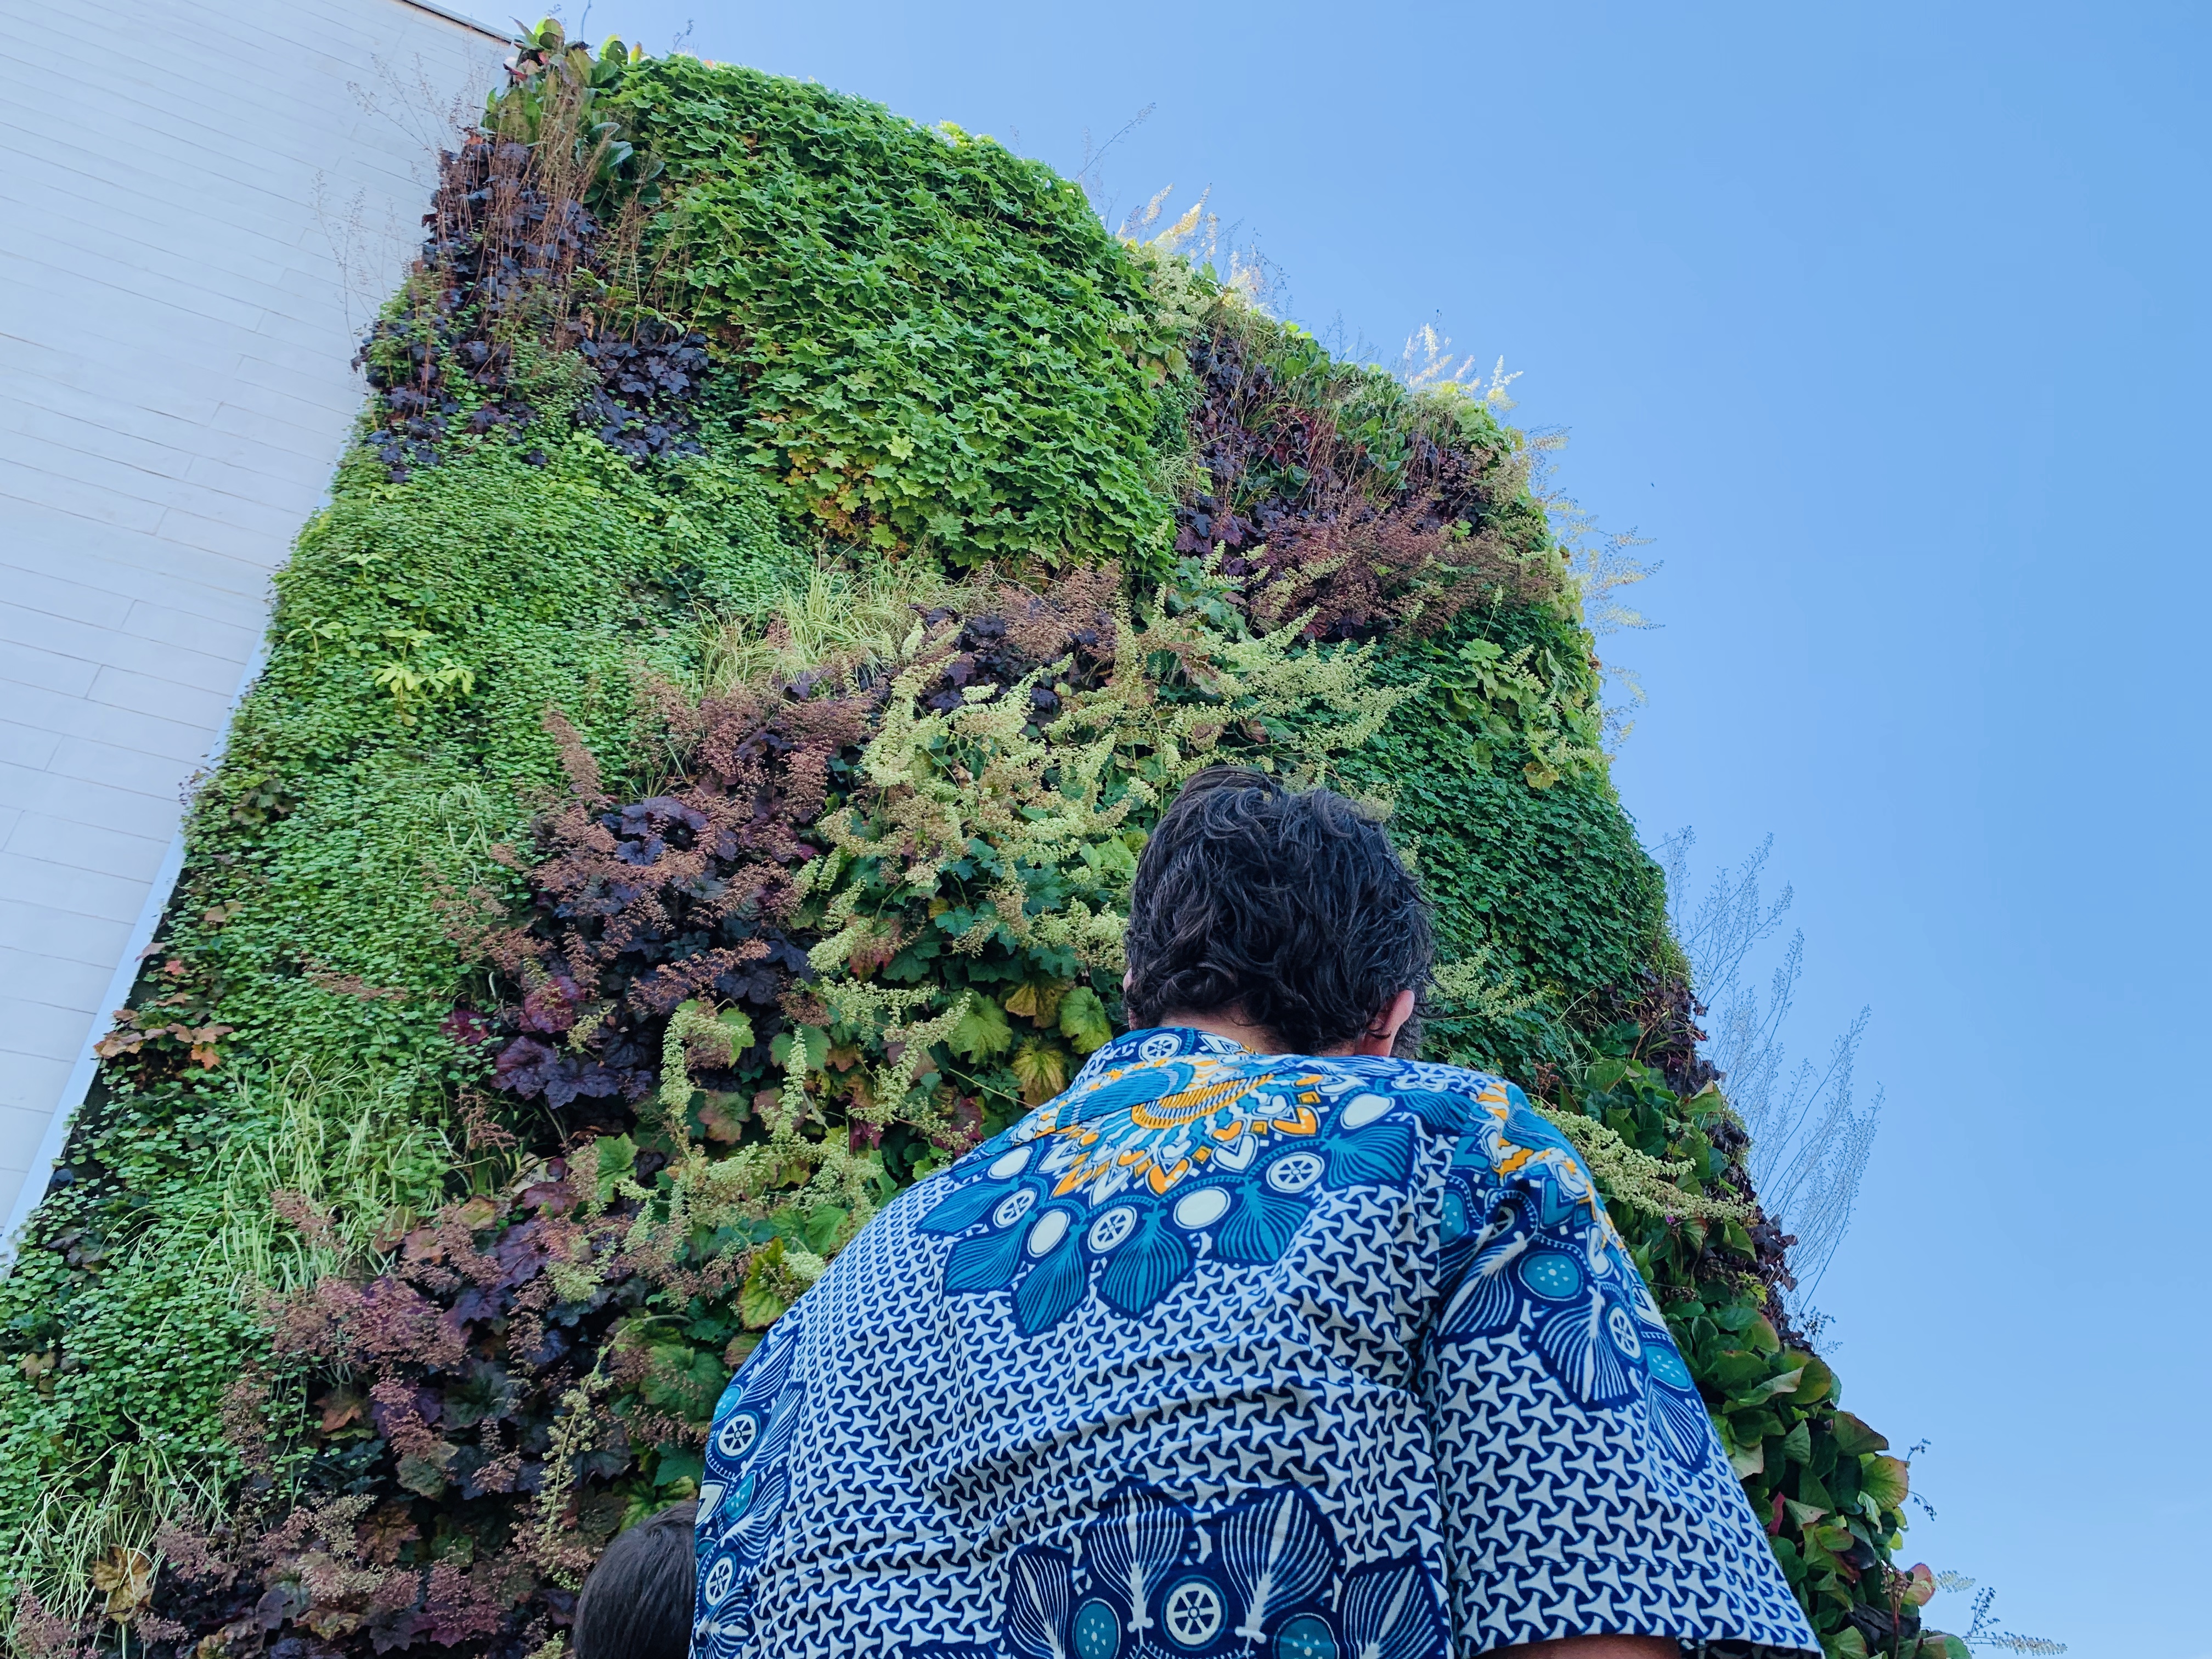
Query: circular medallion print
x,y
1667,1366
1202,1208
1160,1047
1455,1222
1192,1612
1012,1207
736,1437
1010,1164
1364,1111
1051,1228
1620,1326
1552,1274
1295,1171
720,1579
1305,1638
1097,1633
1111,1228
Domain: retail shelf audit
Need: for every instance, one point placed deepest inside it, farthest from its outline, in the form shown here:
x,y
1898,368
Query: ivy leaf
x,y
812,1042
380,1535
1797,1444
1083,1020
724,1116
982,1031
678,1466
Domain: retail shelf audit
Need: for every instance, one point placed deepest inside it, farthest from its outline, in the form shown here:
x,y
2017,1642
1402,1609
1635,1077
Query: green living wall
x,y
789,555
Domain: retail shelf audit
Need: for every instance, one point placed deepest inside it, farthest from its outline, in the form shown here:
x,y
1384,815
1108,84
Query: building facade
x,y
202,206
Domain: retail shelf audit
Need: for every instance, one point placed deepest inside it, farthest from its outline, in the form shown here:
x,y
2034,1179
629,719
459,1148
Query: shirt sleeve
x,y
1582,1487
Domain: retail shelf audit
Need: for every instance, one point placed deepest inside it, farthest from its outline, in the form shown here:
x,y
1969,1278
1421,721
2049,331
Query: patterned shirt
x,y
1222,1354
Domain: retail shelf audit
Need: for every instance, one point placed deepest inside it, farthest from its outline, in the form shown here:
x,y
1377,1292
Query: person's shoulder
x,y
1447,1100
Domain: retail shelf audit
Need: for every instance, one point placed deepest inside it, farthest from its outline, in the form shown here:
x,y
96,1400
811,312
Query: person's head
x,y
636,1602
1280,909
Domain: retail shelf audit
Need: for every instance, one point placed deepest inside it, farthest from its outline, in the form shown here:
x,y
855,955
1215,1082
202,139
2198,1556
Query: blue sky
x,y
1890,327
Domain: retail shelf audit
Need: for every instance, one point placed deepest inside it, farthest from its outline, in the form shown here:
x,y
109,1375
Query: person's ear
x,y
1383,1030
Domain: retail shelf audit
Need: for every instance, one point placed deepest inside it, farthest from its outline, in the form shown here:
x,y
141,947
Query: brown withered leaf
x,y
340,1407
127,1576
380,1535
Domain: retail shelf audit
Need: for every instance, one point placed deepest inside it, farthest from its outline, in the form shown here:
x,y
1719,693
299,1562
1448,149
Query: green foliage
x,y
1548,887
776,876
315,919
931,341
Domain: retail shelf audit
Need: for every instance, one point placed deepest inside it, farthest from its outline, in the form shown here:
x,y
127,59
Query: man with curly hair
x,y
1262,1338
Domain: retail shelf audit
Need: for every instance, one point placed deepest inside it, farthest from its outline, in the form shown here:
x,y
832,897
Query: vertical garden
x,y
789,556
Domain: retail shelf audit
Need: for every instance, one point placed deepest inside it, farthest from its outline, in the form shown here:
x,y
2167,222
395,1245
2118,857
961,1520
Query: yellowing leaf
x,y
1036,1002
1042,1069
1885,1480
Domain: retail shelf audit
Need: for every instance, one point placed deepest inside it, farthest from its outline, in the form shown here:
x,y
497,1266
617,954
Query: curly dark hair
x,y
1288,906
636,1604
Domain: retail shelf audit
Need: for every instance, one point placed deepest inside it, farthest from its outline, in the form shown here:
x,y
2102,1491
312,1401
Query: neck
x,y
1230,1023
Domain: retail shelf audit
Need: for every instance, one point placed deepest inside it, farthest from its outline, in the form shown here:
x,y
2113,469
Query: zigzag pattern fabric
x,y
1224,1354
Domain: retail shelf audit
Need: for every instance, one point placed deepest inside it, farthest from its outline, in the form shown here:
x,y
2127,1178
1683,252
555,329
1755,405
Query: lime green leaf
x,y
1885,1480
1802,1515
811,1041
760,1304
617,1156
1083,1020
982,1031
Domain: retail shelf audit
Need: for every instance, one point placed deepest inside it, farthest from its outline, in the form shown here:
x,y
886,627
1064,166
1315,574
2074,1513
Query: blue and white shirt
x,y
1229,1356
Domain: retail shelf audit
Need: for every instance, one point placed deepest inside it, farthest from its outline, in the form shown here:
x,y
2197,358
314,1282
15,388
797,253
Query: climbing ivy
x,y
930,340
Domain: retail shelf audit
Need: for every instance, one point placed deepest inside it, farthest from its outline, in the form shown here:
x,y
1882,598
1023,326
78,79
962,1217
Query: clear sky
x,y
1890,326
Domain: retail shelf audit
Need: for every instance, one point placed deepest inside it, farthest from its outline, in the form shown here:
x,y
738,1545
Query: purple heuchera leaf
x,y
523,1066
550,1009
468,1028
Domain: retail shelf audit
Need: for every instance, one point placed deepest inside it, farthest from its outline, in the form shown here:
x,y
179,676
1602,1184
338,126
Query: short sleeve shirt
x,y
1225,1354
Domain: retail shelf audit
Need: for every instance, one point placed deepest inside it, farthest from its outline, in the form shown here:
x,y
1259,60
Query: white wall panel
x,y
200,206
